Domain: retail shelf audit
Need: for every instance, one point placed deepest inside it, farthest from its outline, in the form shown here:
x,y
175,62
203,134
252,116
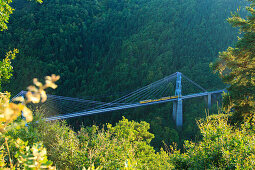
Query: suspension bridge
x,y
173,88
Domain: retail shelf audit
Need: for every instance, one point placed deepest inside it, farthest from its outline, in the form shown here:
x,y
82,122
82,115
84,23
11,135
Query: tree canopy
x,y
236,66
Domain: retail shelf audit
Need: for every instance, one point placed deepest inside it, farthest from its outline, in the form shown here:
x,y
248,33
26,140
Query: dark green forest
x,y
109,47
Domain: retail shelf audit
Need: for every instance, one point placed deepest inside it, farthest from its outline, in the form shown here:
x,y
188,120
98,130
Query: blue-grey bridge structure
x,y
154,93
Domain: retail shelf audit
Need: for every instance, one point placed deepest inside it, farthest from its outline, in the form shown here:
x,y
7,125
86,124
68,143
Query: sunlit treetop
x,y
5,11
236,67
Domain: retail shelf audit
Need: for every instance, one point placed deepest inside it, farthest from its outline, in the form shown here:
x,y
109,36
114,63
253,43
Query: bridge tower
x,y
177,105
209,100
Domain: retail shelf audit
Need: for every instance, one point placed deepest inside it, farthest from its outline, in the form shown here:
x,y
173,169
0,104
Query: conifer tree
x,y
236,66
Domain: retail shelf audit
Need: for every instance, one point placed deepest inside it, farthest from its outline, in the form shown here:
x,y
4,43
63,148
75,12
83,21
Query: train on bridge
x,y
156,100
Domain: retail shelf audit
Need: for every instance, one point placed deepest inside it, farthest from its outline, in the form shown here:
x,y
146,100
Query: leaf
x,y
37,83
32,89
34,98
44,96
19,99
27,113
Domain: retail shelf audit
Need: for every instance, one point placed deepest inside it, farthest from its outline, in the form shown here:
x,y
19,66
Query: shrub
x,y
223,146
14,152
125,145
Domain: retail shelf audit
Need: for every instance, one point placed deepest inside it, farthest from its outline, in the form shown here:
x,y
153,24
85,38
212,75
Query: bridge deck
x,y
127,106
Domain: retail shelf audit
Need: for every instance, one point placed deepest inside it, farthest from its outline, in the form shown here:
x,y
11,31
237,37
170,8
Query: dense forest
x,y
103,49
110,47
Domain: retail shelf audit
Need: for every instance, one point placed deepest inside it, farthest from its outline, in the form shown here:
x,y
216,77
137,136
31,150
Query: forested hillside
x,y
112,46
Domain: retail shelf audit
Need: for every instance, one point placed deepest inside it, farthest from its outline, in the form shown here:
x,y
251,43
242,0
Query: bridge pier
x,y
177,112
179,115
177,105
174,110
209,100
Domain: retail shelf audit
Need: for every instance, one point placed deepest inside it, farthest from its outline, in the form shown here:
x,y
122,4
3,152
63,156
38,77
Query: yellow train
x,y
156,100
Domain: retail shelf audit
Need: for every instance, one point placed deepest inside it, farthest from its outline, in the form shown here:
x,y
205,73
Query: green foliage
x,y
116,45
131,130
14,152
222,147
125,145
34,157
236,67
6,67
109,46
5,11
61,142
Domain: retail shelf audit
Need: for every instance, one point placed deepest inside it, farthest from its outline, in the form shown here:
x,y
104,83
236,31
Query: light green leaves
x,y
236,66
5,11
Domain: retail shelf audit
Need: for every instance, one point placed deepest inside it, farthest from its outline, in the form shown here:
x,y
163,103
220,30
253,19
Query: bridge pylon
x,y
209,100
177,105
